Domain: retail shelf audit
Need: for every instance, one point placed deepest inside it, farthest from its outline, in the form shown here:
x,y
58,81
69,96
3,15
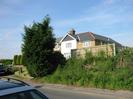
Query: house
x,y
77,44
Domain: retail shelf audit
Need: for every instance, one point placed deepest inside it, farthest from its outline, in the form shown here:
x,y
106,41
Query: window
x,y
32,94
86,44
68,45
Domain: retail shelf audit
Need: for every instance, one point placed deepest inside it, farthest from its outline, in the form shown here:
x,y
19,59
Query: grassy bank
x,y
100,71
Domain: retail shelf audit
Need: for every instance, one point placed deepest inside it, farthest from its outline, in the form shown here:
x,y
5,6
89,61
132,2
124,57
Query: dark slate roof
x,y
85,36
75,36
67,38
91,36
99,37
8,85
106,39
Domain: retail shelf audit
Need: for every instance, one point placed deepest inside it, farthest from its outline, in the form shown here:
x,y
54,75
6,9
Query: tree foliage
x,y
18,60
21,60
6,61
37,49
15,59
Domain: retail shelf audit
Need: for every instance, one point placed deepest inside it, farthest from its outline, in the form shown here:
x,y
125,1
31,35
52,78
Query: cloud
x,y
11,2
4,11
11,39
109,1
106,13
10,42
7,7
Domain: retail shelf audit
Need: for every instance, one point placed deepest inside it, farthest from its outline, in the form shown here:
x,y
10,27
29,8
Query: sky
x,y
112,18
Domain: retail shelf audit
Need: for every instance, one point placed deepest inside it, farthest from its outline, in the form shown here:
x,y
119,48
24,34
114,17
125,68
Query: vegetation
x,y
6,61
100,71
37,49
15,59
7,66
18,60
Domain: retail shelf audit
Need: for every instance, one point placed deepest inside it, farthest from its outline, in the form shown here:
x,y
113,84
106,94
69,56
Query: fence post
x,y
114,49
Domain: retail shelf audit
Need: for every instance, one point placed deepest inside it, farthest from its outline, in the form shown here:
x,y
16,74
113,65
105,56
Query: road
x,y
70,94
57,91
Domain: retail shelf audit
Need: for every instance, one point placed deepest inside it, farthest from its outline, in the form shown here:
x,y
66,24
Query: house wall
x,y
67,51
80,44
92,43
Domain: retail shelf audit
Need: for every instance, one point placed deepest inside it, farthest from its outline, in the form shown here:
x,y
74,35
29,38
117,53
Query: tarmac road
x,y
70,94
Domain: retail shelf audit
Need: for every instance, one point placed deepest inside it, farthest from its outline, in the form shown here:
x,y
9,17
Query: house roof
x,y
90,36
85,36
106,39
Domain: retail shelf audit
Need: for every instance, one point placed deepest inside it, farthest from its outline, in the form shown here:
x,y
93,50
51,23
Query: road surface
x,y
70,94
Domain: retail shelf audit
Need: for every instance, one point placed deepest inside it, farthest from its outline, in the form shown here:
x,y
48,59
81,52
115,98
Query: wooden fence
x,y
109,49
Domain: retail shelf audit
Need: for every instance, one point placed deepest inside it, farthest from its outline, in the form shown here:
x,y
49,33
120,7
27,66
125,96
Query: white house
x,y
68,42
82,41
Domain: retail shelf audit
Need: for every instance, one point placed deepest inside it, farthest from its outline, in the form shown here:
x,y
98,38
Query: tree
x,y
6,61
37,48
21,60
15,59
18,59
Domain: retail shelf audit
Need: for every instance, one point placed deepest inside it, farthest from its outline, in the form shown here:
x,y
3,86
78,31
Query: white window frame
x,y
86,43
68,45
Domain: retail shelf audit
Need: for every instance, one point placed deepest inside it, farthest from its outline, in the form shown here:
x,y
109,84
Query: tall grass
x,y
100,71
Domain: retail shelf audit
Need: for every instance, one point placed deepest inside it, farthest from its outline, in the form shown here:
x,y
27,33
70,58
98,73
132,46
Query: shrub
x,y
15,59
102,74
89,58
125,58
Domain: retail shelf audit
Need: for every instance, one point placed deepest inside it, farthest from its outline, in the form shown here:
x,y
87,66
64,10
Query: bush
x,y
102,74
56,59
125,58
10,70
89,58
6,61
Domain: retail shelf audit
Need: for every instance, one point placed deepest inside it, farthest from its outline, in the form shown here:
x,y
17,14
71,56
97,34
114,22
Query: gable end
x,y
67,38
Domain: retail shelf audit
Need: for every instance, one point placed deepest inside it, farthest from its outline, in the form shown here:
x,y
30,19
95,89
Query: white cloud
x,y
10,42
7,7
11,2
103,14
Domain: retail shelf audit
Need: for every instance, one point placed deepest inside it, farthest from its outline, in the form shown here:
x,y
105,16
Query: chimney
x,y
72,32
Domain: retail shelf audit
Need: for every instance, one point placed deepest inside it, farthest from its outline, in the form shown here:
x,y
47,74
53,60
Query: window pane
x,y
86,44
68,45
31,94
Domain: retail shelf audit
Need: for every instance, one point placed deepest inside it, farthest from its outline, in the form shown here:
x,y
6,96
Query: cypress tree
x,y
37,48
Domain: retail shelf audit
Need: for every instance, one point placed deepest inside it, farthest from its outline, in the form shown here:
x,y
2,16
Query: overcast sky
x,y
112,18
